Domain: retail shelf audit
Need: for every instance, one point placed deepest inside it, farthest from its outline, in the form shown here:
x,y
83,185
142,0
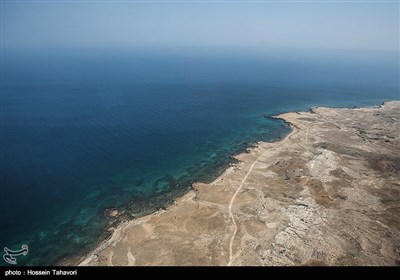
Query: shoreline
x,y
192,196
188,195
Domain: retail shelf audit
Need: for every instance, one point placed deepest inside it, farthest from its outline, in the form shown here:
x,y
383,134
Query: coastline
x,y
199,196
188,195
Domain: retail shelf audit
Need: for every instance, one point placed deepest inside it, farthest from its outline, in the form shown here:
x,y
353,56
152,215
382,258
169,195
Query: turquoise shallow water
x,y
75,143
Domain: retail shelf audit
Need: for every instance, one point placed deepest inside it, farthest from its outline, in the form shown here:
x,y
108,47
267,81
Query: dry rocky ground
x,y
328,194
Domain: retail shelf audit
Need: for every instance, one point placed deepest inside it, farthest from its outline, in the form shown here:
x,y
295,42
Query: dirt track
x,y
329,194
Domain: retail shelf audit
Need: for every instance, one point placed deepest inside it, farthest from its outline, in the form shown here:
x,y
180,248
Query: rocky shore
x,y
328,194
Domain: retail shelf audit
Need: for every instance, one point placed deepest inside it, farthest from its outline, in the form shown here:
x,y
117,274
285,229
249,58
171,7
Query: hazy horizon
x,y
200,26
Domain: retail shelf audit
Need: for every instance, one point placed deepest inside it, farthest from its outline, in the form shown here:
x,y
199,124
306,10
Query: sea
x,y
86,131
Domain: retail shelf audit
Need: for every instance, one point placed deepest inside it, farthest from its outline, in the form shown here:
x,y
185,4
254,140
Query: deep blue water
x,y
83,133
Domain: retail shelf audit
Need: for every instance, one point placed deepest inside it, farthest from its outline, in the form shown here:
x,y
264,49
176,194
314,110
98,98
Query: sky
x,y
325,25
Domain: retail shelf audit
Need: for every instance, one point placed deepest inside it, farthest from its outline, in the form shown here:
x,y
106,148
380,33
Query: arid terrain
x,y
328,194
